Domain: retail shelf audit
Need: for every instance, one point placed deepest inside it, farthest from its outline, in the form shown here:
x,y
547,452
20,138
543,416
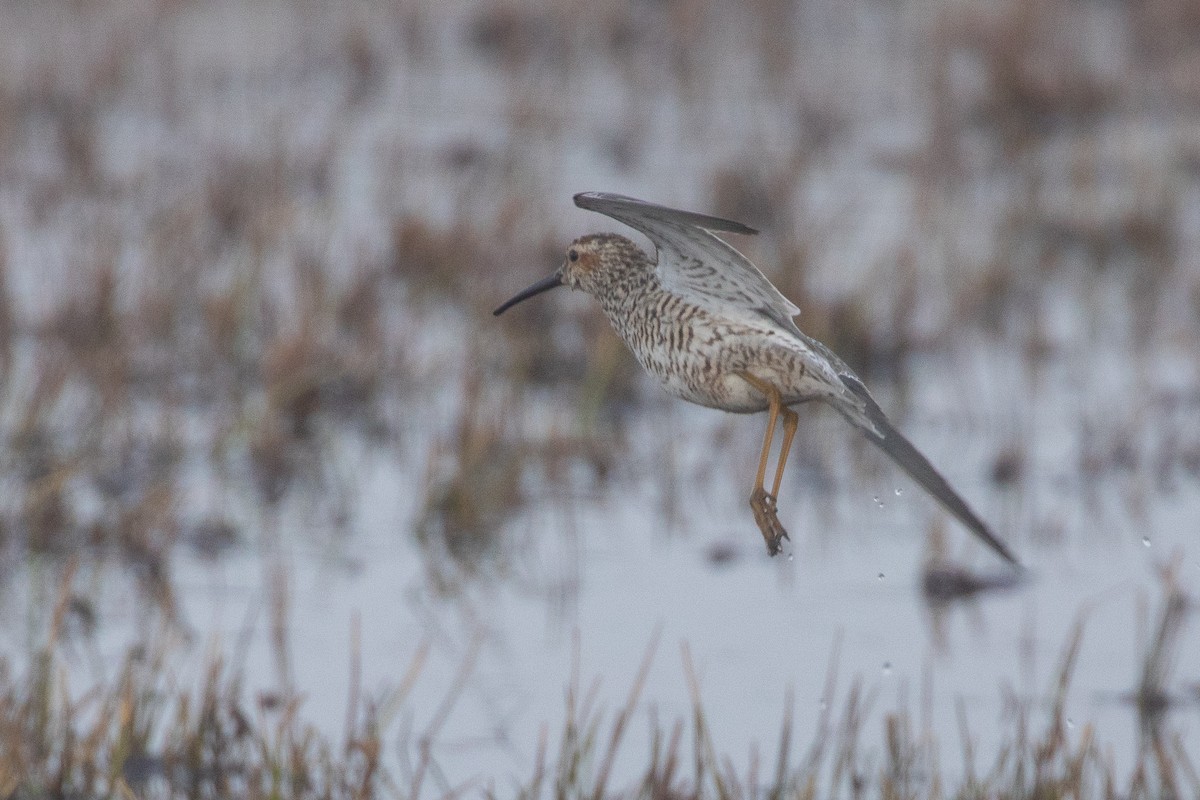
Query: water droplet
x,y
899,492
1145,541
878,501
791,556
881,576
887,668
1070,723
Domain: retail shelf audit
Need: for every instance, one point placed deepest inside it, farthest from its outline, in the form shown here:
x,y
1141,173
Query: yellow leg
x,y
790,420
761,503
775,403
772,418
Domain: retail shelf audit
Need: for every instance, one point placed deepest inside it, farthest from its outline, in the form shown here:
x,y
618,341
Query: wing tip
x,y
581,199
904,453
739,227
592,200
589,200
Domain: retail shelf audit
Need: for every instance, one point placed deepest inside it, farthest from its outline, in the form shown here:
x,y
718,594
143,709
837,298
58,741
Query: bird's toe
x,y
763,504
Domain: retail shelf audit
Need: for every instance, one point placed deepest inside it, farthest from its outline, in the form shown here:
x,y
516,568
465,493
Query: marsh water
x,y
256,407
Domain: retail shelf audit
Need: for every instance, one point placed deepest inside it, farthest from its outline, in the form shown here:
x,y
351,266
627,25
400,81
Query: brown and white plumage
x,y
708,324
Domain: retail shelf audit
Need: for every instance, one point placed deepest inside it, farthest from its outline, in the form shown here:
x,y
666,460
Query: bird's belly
x,y
726,389
729,392
735,395
703,361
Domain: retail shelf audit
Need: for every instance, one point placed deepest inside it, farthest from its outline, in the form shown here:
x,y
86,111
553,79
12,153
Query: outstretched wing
x,y
909,458
694,263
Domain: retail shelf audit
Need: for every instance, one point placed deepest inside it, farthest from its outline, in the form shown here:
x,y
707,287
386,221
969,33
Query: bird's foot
x,y
762,503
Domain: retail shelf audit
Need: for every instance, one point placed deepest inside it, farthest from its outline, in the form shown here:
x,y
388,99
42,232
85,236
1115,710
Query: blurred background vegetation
x,y
245,247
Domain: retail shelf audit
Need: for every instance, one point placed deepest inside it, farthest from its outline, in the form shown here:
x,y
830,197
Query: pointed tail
x,y
880,431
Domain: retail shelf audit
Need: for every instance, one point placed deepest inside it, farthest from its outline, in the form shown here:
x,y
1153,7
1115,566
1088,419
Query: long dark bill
x,y
544,285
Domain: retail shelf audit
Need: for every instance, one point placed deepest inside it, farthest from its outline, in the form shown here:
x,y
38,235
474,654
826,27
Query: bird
x,y
706,322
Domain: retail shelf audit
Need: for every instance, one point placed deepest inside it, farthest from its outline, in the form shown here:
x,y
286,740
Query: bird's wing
x,y
694,263
909,458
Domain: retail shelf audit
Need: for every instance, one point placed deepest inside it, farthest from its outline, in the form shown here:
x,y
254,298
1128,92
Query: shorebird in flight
x,y
709,325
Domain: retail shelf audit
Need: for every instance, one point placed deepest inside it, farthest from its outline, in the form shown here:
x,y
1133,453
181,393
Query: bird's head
x,y
593,263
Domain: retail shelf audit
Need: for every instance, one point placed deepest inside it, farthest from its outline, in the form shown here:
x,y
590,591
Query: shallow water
x,y
594,578
1014,276
613,574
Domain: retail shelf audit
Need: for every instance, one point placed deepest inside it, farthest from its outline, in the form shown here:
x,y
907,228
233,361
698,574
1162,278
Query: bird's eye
x,y
572,255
